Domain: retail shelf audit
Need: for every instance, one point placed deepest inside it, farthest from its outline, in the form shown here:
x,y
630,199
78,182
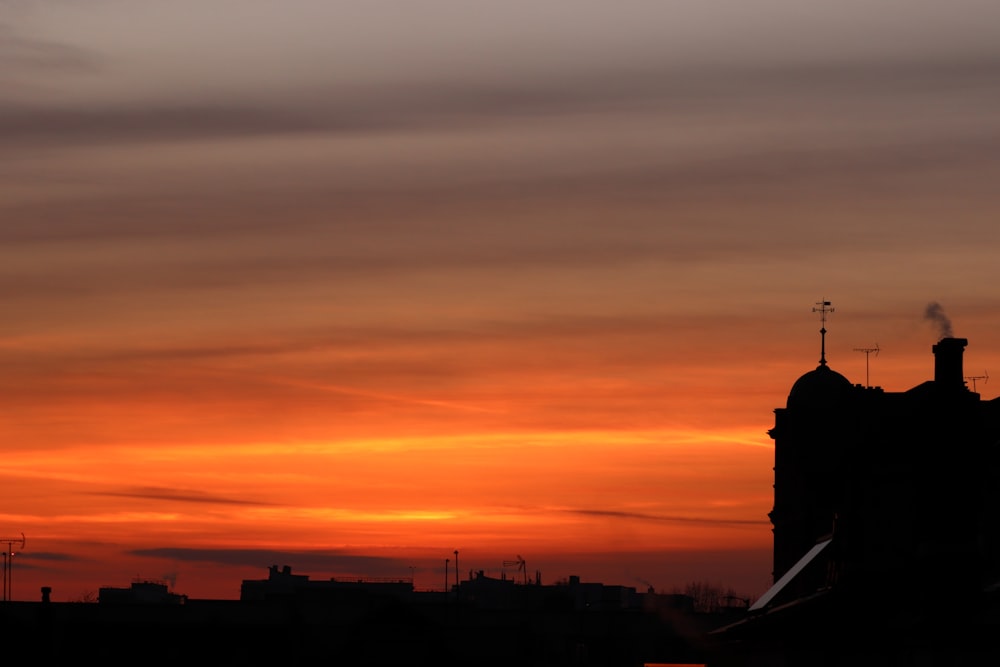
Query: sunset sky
x,y
349,286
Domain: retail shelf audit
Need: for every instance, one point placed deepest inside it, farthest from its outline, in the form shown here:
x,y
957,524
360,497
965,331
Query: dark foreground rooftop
x,y
486,623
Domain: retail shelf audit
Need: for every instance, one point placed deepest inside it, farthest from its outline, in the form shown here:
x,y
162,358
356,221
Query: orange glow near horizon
x,y
626,474
208,463
536,493
546,489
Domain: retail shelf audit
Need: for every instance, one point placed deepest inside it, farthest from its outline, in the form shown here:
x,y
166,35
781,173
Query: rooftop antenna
x,y
8,564
824,308
867,351
985,377
519,564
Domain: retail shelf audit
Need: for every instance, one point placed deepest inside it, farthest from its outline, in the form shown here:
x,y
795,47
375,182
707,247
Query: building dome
x,y
818,387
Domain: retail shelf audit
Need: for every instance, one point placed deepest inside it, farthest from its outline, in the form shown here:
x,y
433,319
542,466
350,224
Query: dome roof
x,y
819,386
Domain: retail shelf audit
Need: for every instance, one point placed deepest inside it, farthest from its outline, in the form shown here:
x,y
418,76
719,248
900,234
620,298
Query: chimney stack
x,y
948,362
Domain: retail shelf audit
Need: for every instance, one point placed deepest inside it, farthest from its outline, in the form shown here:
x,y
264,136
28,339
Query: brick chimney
x,y
948,362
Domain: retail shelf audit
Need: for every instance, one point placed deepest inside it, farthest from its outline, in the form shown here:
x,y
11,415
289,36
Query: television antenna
x,y
867,351
520,565
8,564
985,377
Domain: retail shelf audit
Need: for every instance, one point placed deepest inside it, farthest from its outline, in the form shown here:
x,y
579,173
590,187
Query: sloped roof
x,y
793,572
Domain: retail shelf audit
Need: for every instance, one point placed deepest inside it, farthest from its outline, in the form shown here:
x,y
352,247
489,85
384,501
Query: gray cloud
x,y
585,224
60,126
21,55
350,108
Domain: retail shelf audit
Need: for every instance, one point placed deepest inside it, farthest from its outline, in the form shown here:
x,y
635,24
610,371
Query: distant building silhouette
x,y
283,584
290,619
141,591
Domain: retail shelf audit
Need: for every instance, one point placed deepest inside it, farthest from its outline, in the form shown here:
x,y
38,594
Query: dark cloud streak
x,y
177,495
311,561
659,518
367,109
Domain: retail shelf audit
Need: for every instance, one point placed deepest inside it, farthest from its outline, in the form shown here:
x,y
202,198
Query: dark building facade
x,y
886,524
902,483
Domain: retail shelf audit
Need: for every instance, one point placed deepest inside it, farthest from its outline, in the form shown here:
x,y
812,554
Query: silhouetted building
x,y
902,483
886,524
491,621
140,592
283,584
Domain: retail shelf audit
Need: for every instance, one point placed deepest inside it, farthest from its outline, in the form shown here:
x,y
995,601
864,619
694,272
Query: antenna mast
x,y
867,351
8,564
985,377
520,564
824,308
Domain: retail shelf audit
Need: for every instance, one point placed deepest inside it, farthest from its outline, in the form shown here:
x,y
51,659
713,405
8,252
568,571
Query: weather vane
x,y
824,308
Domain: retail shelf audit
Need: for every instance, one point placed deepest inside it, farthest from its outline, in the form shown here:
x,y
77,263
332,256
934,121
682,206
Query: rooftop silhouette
x,y
886,523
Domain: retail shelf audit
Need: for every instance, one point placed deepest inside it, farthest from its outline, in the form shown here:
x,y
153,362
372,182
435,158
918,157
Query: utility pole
x,y
456,570
446,575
